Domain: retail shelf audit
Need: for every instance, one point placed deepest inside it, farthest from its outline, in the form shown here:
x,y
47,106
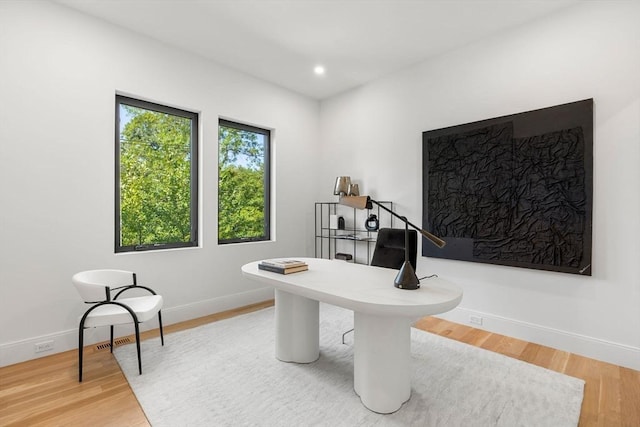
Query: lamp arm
x,y
432,238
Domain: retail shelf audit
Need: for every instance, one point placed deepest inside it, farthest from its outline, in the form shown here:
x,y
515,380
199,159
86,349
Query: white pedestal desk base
x,y
297,328
382,361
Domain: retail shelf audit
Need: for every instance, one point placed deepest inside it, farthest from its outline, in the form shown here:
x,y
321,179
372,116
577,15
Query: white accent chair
x,y
95,287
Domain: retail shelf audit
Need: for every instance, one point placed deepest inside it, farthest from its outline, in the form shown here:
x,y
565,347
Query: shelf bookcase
x,y
354,239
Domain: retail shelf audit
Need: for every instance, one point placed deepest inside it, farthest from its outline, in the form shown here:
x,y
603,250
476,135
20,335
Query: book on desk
x,y
283,266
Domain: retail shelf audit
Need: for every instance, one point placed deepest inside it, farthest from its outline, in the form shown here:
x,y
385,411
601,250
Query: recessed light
x,y
319,70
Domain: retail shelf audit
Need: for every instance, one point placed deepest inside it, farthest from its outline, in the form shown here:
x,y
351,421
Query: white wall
x,y
59,72
591,50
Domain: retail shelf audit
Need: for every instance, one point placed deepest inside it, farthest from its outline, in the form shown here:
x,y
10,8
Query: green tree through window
x,y
156,188
243,183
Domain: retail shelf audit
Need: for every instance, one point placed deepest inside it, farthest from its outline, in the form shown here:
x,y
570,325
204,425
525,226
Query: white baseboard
x,y
21,351
611,352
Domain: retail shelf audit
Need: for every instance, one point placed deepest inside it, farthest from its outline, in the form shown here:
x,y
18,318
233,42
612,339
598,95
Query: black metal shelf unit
x,y
353,239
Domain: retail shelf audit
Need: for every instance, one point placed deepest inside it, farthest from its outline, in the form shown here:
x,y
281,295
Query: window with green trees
x,y
243,183
156,176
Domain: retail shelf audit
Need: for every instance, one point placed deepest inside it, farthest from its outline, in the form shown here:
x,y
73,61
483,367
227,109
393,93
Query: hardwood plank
x,y
629,397
475,337
529,352
609,397
559,360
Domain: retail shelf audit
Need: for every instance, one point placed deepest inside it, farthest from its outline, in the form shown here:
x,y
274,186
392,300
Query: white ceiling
x,y
282,40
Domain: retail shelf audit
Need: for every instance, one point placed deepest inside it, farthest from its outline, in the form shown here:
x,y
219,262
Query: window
x,y
243,183
156,194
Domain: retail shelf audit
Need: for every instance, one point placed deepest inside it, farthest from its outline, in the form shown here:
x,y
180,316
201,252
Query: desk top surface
x,y
361,288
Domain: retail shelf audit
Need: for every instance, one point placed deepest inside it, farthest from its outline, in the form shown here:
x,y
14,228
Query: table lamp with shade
x,y
349,196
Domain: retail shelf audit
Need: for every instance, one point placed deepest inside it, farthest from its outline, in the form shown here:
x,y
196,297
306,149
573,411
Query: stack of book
x,y
283,266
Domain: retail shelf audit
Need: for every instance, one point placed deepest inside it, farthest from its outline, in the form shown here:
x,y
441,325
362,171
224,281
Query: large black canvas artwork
x,y
513,190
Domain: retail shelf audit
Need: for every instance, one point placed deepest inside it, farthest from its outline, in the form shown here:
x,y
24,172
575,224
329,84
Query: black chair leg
x,y
160,322
111,341
343,335
80,351
138,346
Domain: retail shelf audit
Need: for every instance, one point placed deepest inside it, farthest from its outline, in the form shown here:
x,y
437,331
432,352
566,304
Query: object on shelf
x,y
346,257
350,237
342,186
372,223
340,223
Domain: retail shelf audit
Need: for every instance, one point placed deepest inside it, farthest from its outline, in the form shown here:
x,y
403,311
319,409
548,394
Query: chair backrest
x,y
93,285
389,250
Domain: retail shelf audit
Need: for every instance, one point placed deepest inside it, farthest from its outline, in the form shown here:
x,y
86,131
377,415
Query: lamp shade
x,y
358,202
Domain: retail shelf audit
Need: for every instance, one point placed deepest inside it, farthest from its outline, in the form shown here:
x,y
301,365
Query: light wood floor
x,y
46,392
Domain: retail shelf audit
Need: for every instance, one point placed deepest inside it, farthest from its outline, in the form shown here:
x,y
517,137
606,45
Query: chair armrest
x,y
126,307
126,288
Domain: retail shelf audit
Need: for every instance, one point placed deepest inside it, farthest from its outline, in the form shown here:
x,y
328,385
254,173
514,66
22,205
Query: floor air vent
x,y
106,345
122,341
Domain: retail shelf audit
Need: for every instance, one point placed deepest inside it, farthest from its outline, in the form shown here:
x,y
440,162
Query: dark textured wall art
x,y
513,190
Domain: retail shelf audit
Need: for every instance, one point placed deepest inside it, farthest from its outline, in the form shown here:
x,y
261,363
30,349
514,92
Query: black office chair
x,y
389,251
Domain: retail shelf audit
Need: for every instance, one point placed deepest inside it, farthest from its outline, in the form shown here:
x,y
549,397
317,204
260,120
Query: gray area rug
x,y
225,374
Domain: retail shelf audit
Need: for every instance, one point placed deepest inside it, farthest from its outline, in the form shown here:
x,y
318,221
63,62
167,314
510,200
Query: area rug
x,y
225,374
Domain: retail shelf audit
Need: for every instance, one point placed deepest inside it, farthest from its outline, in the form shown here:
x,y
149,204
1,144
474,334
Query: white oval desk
x,y
383,315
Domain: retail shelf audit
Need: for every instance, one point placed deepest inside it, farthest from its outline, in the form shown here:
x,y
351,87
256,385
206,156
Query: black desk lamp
x,y
406,278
